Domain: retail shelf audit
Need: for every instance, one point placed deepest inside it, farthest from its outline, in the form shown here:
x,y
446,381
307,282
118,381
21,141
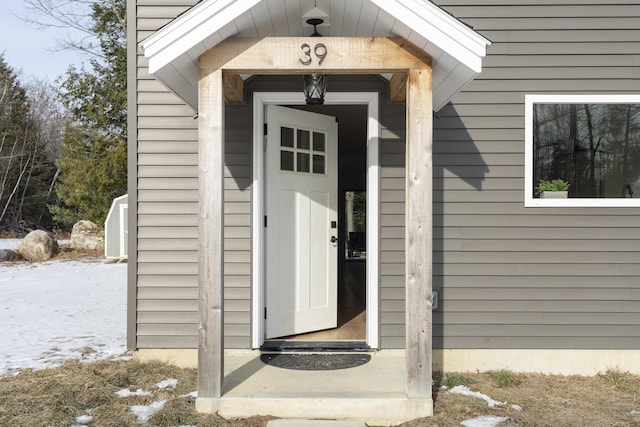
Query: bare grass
x,y
55,397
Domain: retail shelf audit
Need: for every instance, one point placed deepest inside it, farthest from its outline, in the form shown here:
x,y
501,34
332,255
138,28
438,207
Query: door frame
x,y
371,100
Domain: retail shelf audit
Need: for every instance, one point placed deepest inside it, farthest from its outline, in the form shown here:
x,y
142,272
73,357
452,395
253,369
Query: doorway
x,y
356,281
350,320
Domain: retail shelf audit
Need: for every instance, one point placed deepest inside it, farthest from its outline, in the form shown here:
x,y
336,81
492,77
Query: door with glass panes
x,y
301,234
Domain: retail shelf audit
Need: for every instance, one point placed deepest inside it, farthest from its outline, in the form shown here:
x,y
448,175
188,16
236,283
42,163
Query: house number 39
x,y
319,50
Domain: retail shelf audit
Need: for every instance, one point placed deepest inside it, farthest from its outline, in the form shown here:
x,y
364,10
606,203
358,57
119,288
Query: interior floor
x,y
352,319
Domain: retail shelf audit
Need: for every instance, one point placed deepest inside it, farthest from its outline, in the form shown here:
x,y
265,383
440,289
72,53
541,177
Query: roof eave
x,y
172,50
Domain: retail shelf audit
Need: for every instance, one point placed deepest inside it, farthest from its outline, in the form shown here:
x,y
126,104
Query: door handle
x,y
334,239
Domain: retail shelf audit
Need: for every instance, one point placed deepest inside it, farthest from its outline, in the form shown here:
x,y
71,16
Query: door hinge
x,y
265,312
265,129
265,221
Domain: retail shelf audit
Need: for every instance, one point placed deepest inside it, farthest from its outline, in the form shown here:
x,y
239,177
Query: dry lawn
x,y
55,397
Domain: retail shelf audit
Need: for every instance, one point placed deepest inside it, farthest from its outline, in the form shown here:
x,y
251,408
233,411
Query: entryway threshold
x,y
315,346
374,393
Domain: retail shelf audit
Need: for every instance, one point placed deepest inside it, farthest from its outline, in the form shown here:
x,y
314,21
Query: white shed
x,y
116,228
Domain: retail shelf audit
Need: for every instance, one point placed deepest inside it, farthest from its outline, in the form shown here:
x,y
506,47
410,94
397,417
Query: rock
x,y
9,255
38,246
86,235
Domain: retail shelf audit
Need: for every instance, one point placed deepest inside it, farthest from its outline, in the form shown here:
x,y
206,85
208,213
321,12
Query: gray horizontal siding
x,y
511,277
392,247
508,277
167,209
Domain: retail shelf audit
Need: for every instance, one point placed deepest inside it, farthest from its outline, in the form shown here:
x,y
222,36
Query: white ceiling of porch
x,y
457,50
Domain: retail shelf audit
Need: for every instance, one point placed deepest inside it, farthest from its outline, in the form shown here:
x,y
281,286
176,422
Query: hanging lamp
x,y
315,85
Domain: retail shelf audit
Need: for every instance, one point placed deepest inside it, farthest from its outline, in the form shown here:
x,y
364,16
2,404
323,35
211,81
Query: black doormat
x,y
315,362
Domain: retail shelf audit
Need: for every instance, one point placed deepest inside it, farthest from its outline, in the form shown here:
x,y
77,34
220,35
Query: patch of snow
x,y
10,243
484,421
466,391
168,383
59,310
144,412
633,413
128,393
516,407
84,419
192,394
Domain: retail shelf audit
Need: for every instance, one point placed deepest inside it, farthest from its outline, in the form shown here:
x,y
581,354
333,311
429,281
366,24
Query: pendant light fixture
x,y
315,85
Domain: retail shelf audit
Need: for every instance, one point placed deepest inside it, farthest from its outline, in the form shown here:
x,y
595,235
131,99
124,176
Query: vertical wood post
x,y
211,234
418,232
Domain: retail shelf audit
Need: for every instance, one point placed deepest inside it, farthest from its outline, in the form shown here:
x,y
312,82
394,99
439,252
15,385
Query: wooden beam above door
x,y
305,55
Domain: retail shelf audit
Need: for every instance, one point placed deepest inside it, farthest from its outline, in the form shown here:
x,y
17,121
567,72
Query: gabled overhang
x,y
456,49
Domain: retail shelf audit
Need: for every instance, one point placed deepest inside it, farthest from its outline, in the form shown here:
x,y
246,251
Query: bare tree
x,y
48,118
47,115
30,133
74,15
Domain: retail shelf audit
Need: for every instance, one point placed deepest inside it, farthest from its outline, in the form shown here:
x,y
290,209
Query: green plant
x,y
552,185
621,380
457,379
504,378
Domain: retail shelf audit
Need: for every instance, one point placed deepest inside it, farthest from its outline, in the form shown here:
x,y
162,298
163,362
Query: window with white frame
x,y
589,142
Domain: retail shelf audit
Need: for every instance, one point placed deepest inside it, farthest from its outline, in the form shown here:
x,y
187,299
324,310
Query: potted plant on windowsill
x,y
553,189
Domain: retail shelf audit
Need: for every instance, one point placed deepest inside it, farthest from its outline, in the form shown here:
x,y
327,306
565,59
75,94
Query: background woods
x,y
63,145
30,124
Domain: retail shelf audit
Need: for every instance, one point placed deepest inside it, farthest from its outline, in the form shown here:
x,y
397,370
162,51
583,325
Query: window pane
x,y
304,139
303,163
318,142
286,160
594,147
318,164
286,137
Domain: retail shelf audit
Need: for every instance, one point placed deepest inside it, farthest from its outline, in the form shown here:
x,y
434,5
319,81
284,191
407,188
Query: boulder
x,y
87,235
38,246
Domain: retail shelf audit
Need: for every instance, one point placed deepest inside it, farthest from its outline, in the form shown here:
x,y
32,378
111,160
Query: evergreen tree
x,y
92,163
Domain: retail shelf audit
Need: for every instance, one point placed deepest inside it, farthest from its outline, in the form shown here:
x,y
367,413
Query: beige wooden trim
x,y
210,246
418,229
344,55
233,88
398,87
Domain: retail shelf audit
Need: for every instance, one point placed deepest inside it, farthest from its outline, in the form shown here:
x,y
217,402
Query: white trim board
x,y
260,99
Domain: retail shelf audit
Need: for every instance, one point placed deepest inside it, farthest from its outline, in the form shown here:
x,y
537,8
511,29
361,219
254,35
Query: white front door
x,y
301,234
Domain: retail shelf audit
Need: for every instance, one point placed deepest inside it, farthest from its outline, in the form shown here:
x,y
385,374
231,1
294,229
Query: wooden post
x,y
418,232
210,247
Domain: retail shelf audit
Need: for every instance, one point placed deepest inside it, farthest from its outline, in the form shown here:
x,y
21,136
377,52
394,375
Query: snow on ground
x,y
466,391
484,421
10,243
55,311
